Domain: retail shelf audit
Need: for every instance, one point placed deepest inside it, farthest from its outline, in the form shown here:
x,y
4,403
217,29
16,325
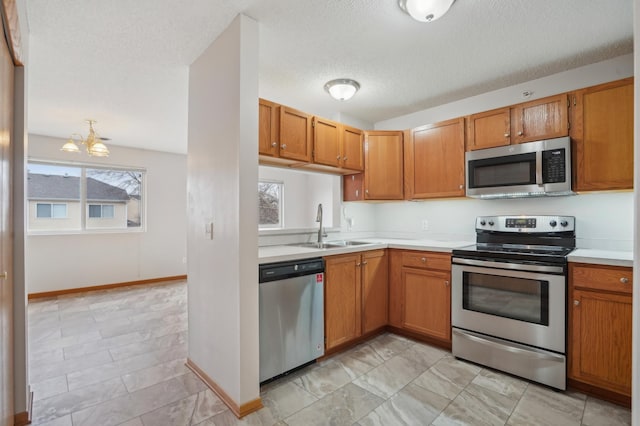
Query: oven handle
x,y
539,181
487,341
504,265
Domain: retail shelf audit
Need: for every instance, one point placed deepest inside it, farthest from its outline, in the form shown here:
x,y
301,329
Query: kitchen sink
x,y
318,245
348,243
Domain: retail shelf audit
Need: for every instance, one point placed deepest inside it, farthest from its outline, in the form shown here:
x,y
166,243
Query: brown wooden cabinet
x,y
337,145
489,129
353,187
420,293
602,134
342,299
599,343
383,175
295,134
544,118
269,125
356,295
434,160
540,119
375,290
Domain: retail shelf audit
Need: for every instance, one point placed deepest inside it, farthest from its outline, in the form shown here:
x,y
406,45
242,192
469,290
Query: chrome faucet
x,y
321,233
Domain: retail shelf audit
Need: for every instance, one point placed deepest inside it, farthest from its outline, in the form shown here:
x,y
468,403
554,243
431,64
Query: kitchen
x,y
405,217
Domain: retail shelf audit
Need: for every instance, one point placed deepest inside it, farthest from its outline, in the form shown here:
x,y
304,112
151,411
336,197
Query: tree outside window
x,y
270,195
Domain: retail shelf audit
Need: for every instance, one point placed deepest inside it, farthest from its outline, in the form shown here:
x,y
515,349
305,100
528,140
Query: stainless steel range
x,y
508,296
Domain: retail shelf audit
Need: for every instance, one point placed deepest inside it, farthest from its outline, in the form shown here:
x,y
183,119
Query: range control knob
x,y
490,223
553,223
483,223
564,223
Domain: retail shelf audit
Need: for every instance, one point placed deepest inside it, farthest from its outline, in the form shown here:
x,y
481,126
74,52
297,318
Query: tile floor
x,y
117,358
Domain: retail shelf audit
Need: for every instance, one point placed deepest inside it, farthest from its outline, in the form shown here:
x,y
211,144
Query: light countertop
x,y
281,253
602,257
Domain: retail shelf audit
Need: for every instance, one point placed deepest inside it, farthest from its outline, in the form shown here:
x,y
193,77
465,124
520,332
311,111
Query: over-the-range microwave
x,y
525,170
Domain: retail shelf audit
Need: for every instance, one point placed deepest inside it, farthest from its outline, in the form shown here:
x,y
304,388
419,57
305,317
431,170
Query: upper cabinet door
x,y
326,142
269,122
602,132
295,134
489,129
352,148
383,163
540,119
434,160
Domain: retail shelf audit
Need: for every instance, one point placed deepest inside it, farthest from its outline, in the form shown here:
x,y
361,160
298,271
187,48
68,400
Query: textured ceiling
x,y
125,63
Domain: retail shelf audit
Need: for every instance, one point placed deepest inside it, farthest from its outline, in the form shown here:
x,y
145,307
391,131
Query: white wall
x,y
222,188
635,382
57,262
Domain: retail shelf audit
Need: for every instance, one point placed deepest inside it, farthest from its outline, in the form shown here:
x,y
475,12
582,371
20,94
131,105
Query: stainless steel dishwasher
x,y
291,315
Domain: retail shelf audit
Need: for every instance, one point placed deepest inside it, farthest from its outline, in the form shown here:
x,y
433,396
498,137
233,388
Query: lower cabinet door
x,y
342,299
427,302
375,290
600,340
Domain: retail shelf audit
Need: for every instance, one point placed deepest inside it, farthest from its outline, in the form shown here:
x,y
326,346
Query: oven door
x,y
497,299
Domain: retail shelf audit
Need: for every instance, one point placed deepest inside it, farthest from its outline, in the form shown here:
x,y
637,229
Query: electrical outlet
x,y
425,225
184,260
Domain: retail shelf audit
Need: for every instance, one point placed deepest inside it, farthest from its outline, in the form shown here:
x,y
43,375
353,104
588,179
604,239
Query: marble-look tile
x,y
148,345
504,384
132,422
39,356
324,380
389,345
283,400
115,330
342,407
72,330
364,354
192,383
424,355
448,377
413,405
113,312
70,402
176,414
63,342
542,406
49,387
150,376
207,405
390,377
102,344
477,406
227,418
58,421
601,413
46,371
124,408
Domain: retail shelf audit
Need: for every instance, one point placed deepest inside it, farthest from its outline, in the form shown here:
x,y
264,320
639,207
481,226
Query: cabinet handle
x,y
274,144
358,264
364,262
423,259
344,158
283,146
506,135
520,133
338,158
366,191
446,283
4,275
357,193
576,302
624,280
461,186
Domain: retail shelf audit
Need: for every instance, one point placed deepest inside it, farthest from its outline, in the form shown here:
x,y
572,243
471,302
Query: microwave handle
x,y
539,168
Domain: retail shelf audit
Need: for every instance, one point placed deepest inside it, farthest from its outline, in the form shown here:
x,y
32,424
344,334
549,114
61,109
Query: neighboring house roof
x,y
56,187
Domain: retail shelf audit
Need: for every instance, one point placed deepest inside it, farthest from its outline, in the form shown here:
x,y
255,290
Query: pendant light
x,y
425,10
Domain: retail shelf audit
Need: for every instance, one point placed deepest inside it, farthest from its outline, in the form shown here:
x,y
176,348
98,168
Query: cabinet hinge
x,y
568,125
313,123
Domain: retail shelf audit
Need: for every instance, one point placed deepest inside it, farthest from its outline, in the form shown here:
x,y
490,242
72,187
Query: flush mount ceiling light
x,y
342,89
425,10
94,144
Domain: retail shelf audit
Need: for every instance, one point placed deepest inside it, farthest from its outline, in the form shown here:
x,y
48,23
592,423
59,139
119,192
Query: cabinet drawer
x,y
608,278
417,259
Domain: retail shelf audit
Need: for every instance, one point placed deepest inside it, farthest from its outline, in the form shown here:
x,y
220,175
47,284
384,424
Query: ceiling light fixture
x,y
425,10
94,144
342,89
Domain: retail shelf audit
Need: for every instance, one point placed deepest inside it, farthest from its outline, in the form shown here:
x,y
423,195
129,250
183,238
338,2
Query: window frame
x,y
51,211
84,217
102,206
281,195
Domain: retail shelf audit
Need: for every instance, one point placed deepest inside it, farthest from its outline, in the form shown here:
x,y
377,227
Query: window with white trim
x,y
270,202
84,198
